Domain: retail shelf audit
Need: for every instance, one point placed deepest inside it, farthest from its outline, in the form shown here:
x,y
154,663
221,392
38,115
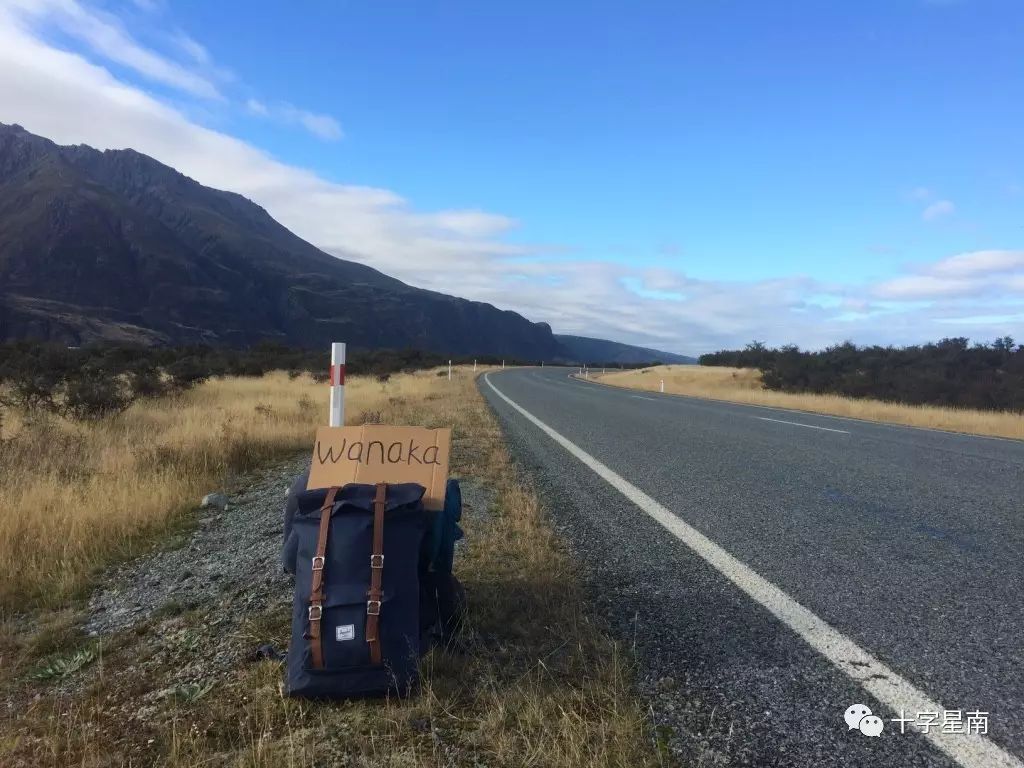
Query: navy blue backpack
x,y
356,553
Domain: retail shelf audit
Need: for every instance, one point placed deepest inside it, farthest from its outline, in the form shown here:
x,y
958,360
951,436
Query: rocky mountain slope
x,y
114,245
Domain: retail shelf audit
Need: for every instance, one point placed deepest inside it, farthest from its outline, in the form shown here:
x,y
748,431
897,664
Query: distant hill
x,y
584,349
115,245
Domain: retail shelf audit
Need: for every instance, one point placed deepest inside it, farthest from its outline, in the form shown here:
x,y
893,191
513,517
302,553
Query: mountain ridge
x,y
588,349
114,245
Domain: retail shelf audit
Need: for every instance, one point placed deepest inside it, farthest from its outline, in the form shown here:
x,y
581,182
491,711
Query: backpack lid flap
x,y
360,495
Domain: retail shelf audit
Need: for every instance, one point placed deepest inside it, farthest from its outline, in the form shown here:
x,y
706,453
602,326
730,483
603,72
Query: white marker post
x,y
474,365
662,385
503,364
449,370
337,384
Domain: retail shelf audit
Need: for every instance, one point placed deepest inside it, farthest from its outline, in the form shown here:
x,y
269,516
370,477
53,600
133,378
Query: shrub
x,y
187,372
146,380
93,396
950,372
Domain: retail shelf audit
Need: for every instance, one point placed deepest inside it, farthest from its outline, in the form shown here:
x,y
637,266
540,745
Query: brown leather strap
x,y
316,593
376,574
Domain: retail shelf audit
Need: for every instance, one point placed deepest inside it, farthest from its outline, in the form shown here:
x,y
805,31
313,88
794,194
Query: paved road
x,y
773,568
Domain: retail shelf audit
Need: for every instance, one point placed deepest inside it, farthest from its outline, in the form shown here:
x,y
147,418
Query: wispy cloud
x,y
150,6
978,274
107,38
938,210
322,126
980,263
192,48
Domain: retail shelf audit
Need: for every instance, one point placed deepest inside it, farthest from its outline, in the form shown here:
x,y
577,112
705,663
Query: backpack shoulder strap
x,y
316,594
376,576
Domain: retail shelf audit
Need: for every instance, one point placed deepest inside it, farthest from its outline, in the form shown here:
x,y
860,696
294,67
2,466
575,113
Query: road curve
x,y
773,568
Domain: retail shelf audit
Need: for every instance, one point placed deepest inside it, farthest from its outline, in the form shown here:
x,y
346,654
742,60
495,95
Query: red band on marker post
x,y
337,375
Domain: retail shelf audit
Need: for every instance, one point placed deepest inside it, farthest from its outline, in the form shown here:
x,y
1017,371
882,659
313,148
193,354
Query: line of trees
x,y
97,380
951,372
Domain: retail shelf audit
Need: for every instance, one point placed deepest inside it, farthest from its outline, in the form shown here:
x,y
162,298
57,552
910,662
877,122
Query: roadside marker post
x,y
503,364
662,385
449,370
337,410
474,365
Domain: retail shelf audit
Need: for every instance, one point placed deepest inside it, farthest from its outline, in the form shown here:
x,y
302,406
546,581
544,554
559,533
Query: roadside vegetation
x,y
951,373
538,681
745,385
98,380
78,494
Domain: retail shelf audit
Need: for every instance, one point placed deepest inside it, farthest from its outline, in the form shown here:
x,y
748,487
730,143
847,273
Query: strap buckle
x,y
315,612
376,561
318,563
373,607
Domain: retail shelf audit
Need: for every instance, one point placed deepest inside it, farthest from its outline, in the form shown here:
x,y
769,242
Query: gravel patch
x,y
232,557
477,500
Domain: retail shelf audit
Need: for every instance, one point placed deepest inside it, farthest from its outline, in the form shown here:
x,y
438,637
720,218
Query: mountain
x,y
584,349
115,245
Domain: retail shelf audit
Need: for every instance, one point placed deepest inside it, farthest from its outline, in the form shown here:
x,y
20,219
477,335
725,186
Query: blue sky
x,y
687,175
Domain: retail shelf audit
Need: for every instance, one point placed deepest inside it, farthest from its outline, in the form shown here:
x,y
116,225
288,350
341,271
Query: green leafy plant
x,y
191,692
60,667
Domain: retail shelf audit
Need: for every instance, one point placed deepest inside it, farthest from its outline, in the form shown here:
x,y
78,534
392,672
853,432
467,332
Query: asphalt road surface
x,y
773,568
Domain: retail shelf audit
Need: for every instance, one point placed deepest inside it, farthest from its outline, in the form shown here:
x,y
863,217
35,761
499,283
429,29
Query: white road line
x,y
897,693
798,424
641,397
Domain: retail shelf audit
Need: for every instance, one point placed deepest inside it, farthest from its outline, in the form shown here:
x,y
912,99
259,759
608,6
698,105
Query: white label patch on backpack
x,y
345,632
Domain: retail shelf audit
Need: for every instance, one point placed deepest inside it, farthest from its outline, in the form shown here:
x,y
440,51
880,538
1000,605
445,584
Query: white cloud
x,y
192,48
257,107
321,126
324,126
938,210
980,262
474,223
923,286
70,99
107,38
975,274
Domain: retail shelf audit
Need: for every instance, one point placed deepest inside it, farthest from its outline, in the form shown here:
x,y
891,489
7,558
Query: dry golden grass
x,y
540,683
76,495
743,385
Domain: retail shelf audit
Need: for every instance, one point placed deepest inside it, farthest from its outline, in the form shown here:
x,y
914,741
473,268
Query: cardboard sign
x,y
380,454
